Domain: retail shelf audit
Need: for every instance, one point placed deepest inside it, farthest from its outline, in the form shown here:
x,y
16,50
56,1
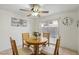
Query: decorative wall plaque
x,y
67,21
18,22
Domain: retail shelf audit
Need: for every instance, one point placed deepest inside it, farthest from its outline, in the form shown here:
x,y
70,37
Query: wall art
x,y
18,22
67,21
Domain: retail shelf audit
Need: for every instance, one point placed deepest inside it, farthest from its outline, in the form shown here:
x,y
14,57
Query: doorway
x,y
51,27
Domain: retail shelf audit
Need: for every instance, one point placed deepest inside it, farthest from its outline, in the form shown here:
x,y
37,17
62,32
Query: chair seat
x,y
24,51
48,50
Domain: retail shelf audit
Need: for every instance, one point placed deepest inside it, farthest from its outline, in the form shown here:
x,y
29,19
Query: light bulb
x,y
34,13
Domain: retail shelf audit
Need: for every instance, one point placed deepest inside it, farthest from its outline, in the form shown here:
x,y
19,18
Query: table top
x,y
38,41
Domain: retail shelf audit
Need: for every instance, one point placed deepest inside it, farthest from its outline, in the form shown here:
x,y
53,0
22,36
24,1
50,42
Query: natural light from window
x,y
53,24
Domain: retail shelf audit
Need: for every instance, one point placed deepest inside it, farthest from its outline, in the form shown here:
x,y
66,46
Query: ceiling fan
x,y
35,10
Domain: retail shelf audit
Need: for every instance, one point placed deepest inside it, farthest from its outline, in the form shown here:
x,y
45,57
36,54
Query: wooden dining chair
x,y
52,49
47,35
14,47
19,51
25,36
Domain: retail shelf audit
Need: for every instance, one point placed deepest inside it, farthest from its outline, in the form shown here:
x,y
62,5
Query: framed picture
x,y
18,22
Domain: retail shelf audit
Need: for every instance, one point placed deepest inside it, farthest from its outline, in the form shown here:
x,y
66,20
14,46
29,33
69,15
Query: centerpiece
x,y
36,35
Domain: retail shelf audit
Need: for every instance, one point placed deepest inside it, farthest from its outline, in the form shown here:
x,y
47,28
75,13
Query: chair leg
x,y
57,53
28,46
44,45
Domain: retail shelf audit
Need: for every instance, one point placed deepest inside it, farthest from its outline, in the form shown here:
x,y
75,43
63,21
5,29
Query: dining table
x,y
36,42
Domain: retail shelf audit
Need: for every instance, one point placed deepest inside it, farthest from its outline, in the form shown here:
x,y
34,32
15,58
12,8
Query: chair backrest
x,y
47,35
14,47
56,51
25,36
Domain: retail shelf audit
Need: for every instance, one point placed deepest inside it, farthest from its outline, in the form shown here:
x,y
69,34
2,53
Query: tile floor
x,y
64,51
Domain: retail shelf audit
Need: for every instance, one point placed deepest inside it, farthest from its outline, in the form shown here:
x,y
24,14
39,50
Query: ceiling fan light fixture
x,y
35,14
35,10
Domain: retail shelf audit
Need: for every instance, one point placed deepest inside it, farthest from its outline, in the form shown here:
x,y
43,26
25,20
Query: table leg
x,y
36,49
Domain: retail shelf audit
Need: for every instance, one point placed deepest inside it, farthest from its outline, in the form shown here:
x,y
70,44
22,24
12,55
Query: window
x,y
50,26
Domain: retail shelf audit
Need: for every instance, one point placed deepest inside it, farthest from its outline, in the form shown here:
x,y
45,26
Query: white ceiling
x,y
52,8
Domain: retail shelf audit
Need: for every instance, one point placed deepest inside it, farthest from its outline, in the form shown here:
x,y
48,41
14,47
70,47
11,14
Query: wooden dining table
x,y
36,42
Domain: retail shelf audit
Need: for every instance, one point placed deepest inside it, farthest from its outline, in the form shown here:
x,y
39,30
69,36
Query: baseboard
x,y
71,49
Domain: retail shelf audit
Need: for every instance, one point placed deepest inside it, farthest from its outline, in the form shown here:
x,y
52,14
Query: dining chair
x,y
52,49
47,35
25,36
19,51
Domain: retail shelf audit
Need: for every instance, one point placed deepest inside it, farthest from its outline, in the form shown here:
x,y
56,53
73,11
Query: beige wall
x,y
78,30
6,30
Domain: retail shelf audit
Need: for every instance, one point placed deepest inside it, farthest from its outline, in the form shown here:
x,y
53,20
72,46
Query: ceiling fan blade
x,y
29,15
38,15
44,11
24,10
